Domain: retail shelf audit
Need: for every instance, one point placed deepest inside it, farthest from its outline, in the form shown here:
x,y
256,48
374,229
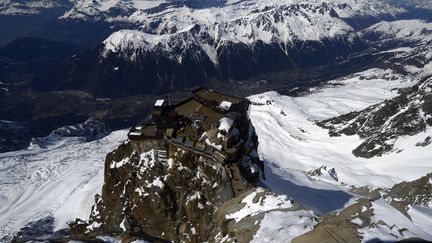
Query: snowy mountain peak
x,y
30,7
211,29
100,9
403,29
126,41
133,45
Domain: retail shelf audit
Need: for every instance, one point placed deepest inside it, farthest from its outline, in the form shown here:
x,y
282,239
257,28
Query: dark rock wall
x,y
168,199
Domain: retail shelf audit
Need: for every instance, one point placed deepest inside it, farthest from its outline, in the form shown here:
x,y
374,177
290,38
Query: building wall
x,y
145,145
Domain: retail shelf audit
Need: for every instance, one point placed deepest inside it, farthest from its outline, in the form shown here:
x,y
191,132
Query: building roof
x,y
225,105
215,96
159,103
187,107
140,131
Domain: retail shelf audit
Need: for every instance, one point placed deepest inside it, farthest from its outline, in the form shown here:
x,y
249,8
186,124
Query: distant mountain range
x,y
136,47
119,49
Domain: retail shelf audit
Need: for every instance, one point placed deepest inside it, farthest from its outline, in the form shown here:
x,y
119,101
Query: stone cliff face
x,y
177,169
405,194
171,199
163,193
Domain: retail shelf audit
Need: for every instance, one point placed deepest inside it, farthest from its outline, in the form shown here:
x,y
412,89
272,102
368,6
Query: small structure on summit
x,y
208,124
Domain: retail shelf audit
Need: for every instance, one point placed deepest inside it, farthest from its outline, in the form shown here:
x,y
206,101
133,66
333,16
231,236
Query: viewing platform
x,y
208,124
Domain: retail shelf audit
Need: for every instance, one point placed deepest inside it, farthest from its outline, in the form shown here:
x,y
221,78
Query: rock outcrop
x,y
168,185
171,199
383,210
334,227
417,192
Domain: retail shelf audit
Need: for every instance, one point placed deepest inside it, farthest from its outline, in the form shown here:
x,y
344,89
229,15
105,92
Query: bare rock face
x,y
324,173
381,125
149,195
417,192
340,223
166,182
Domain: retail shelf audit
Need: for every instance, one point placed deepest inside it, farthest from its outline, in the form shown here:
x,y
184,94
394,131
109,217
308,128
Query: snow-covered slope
x,y
284,22
293,146
137,11
160,26
288,133
99,9
383,125
247,22
406,44
59,181
425,4
403,30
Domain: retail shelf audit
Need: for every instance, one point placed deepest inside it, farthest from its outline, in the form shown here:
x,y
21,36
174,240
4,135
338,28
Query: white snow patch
x,y
158,183
225,105
407,29
123,224
421,216
279,226
357,221
225,124
266,203
394,221
115,165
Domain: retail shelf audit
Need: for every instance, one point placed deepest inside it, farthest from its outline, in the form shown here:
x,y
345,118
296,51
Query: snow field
x,y
60,181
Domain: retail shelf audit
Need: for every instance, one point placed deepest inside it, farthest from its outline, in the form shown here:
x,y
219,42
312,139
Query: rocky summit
x,y
177,169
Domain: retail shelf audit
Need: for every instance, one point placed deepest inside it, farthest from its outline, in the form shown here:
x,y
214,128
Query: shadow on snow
x,y
320,200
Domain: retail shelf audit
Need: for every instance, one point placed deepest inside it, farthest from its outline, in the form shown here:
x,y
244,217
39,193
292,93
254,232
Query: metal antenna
x,y
169,100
